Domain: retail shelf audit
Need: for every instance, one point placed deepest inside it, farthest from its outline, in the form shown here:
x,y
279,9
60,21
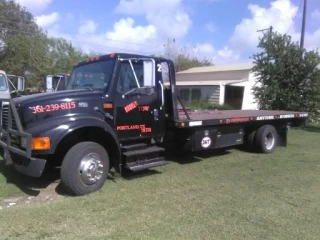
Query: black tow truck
x,y
122,111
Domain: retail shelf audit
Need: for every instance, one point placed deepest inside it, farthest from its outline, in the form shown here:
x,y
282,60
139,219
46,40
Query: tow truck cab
x,y
116,114
114,103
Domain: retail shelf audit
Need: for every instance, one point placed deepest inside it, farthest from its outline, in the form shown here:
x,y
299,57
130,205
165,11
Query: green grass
x,y
7,187
232,195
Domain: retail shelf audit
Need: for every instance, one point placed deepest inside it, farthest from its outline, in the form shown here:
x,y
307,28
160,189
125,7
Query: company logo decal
x,y
206,142
237,120
142,128
195,123
83,104
144,108
261,118
53,107
131,106
287,116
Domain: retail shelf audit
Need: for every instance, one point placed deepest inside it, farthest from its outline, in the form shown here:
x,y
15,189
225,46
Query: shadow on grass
x,y
315,128
185,157
29,185
180,157
129,175
34,186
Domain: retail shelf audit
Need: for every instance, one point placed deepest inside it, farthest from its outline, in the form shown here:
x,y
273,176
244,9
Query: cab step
x,y
133,147
144,151
146,164
141,159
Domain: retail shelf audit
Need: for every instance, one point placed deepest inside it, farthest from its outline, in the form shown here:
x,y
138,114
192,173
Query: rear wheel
x,y
266,139
85,168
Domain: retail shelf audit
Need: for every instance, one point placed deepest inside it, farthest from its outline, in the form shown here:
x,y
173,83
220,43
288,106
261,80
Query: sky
x,y
224,31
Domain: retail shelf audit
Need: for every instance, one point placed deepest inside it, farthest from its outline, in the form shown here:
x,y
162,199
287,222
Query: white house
x,y
223,84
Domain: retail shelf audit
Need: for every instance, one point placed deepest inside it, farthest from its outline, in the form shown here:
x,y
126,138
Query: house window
x,y
189,94
195,94
184,94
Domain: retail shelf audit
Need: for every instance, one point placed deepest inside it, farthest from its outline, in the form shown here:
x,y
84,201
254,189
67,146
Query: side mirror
x,y
21,83
48,83
149,76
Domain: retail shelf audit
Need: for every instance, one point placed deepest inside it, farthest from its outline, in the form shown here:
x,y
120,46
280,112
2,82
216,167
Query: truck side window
x,y
126,80
3,85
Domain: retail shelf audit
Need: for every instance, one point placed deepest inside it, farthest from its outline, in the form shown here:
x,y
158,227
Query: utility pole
x,y
262,30
303,28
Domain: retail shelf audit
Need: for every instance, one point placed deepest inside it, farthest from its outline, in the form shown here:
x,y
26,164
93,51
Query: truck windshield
x,y
94,75
3,83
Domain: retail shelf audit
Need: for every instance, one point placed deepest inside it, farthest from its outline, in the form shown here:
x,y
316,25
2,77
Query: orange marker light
x,y
181,124
108,106
40,143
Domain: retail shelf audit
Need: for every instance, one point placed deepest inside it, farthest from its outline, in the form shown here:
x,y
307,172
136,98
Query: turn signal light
x,y
41,143
108,106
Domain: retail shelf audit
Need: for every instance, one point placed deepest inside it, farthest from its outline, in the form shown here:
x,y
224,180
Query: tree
x,y
287,75
63,55
26,56
14,20
23,45
26,50
184,59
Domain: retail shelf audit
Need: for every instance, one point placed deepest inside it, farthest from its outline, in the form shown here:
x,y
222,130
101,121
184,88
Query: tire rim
x,y
91,169
269,140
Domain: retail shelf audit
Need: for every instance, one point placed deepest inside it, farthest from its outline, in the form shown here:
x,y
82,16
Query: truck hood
x,y
47,96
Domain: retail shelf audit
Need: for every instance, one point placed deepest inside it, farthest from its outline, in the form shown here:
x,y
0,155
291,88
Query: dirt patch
x,y
46,195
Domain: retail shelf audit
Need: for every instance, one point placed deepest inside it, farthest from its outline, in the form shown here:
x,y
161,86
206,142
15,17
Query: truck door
x,y
138,100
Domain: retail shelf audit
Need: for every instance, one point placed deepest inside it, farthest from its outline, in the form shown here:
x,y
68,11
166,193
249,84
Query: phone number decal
x,y
53,107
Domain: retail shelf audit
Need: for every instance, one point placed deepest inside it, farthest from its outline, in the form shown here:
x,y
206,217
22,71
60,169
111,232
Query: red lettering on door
x,y
144,108
131,106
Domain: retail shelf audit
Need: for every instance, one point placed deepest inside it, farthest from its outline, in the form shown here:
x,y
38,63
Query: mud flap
x,y
282,139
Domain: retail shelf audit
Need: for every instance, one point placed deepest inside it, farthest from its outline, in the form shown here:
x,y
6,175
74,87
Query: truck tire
x,y
85,168
266,139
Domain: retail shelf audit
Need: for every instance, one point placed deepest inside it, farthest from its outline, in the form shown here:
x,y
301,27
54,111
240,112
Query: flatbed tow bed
x,y
117,114
216,117
196,130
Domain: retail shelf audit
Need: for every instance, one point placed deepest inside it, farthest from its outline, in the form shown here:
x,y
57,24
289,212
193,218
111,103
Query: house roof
x,y
208,83
219,68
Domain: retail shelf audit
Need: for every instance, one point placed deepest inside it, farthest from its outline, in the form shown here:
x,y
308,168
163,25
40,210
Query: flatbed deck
x,y
207,117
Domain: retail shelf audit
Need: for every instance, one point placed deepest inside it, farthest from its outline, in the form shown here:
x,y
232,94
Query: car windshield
x,y
3,83
94,75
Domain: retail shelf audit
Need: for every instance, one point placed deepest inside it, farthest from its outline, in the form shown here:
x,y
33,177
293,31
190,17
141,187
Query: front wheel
x,y
85,168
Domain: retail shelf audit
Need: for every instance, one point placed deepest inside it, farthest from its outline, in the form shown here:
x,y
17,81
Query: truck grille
x,y
5,118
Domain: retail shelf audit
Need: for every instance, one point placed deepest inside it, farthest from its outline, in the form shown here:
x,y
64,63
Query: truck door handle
x,y
108,115
162,94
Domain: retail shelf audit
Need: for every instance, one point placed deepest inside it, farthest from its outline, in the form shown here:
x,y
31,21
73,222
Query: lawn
x,y
232,195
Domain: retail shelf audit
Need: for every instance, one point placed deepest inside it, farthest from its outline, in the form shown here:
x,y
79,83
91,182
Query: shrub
x,y
204,104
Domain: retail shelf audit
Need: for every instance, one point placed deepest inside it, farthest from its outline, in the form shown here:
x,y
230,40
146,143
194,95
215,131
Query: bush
x,y
204,104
